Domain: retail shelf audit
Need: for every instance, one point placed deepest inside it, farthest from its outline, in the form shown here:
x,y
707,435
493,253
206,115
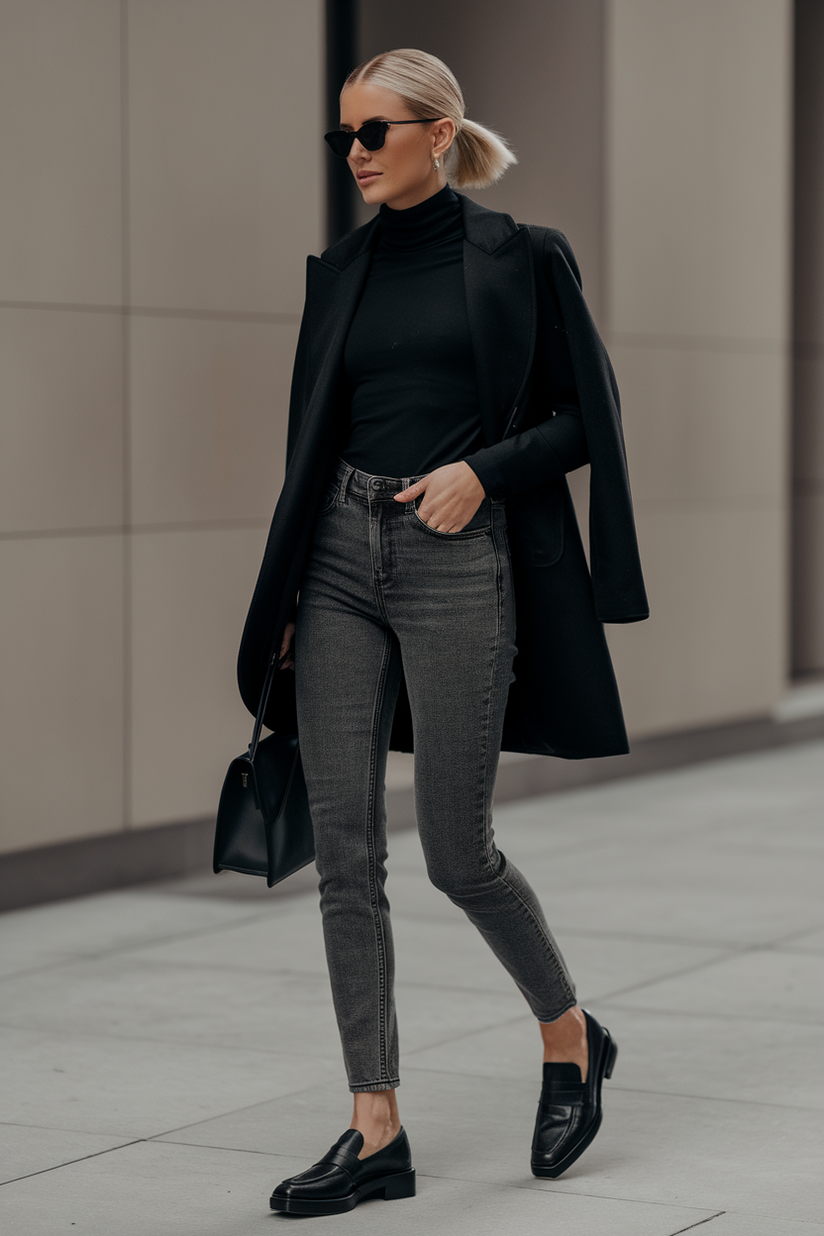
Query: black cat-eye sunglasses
x,y
371,135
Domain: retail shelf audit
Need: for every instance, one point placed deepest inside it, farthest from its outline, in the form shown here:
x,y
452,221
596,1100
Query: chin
x,y
374,194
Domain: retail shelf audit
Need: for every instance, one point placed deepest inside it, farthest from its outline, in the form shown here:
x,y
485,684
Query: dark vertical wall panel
x,y
341,58
808,332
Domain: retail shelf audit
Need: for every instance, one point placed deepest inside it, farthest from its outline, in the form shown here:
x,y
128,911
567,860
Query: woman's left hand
x,y
452,495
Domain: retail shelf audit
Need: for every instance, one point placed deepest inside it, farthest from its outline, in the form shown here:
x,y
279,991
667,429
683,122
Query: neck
x,y
436,219
432,185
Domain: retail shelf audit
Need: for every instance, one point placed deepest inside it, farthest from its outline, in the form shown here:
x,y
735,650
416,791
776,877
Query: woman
x,y
447,376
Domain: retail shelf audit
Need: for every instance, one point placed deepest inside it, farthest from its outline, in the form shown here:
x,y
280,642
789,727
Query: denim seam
x,y
344,483
380,939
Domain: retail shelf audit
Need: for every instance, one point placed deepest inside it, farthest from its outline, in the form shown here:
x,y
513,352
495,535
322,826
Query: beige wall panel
x,y
698,123
808,425
713,648
703,425
61,665
60,151
61,460
535,74
226,151
808,613
209,414
191,591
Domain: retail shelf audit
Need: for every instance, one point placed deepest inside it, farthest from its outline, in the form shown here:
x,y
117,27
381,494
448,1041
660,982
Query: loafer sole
x,y
394,1186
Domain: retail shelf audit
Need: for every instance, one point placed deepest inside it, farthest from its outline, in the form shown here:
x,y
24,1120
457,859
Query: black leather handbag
x,y
263,822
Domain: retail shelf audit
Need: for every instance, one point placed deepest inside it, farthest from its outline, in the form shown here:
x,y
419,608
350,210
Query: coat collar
x,y
487,229
500,295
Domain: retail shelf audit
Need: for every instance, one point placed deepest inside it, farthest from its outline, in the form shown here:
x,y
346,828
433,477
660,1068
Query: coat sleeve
x,y
557,444
617,578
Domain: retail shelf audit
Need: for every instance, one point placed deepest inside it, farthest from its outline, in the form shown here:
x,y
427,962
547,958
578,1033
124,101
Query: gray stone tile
x,y
120,1088
667,1149
209,1021
719,853
689,891
288,939
778,785
226,1006
89,926
25,1150
215,1005
672,1150
762,983
433,953
160,1189
665,1053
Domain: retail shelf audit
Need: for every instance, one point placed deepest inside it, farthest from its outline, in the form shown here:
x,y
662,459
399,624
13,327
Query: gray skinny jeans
x,y
380,589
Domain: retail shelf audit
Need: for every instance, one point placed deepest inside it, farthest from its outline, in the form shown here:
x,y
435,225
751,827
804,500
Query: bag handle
x,y
274,666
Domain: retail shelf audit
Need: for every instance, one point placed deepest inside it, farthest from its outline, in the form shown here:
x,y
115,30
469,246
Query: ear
x,y
443,135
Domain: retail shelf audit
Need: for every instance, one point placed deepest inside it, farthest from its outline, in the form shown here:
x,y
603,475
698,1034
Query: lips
x,y
363,177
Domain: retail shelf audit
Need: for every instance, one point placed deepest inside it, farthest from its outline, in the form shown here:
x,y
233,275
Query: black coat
x,y
526,311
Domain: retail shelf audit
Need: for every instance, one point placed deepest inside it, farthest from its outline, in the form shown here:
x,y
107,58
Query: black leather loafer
x,y
569,1113
340,1180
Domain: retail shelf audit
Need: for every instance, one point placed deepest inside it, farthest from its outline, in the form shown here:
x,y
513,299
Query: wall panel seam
x,y
150,311
237,524
125,292
700,343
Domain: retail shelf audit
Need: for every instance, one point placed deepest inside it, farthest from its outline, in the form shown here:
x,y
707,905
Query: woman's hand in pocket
x,y
452,495
288,645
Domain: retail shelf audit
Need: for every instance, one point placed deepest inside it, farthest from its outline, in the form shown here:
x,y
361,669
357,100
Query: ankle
x,y
376,1116
565,1040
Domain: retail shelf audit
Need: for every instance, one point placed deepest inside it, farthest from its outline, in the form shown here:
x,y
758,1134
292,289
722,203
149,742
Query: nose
x,y
358,152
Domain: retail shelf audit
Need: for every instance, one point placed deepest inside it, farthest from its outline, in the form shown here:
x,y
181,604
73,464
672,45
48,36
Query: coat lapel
x,y
333,287
500,298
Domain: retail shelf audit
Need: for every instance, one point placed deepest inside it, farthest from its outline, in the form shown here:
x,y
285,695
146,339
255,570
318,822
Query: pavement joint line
x,y
694,968
714,1098
119,950
532,1187
709,1219
235,1111
64,1031
614,1086
80,1159
54,1128
541,1185
697,1013
468,1034
639,937
801,933
73,959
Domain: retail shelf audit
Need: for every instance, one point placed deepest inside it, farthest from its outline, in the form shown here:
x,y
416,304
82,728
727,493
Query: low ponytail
x,y
478,157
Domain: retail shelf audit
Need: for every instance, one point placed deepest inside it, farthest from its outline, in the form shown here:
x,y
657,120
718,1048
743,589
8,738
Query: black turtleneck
x,y
408,363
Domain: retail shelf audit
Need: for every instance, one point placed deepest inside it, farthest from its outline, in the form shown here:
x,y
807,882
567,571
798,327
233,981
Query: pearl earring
x,y
437,164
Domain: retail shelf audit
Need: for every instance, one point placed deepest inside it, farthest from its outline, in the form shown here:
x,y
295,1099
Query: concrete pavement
x,y
169,1053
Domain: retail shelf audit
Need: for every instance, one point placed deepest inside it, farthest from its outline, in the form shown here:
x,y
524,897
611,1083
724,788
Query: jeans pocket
x,y
477,526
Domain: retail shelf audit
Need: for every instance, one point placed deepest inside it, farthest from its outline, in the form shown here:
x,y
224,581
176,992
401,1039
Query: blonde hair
x,y
478,157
